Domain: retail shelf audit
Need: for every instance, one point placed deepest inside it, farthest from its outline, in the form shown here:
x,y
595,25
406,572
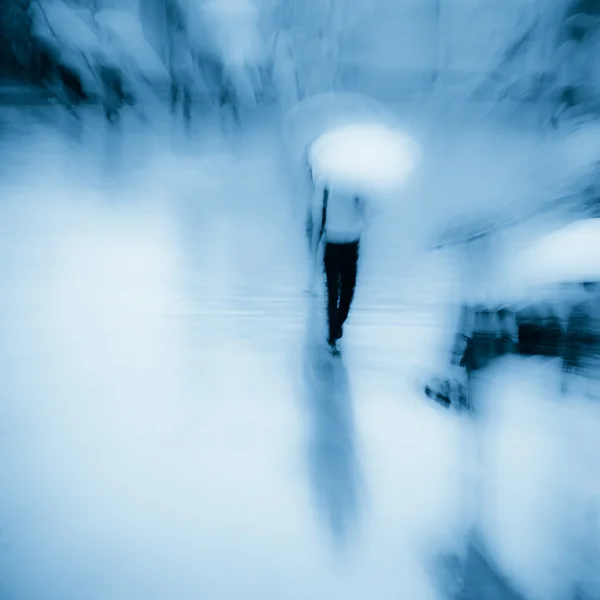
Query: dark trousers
x,y
341,261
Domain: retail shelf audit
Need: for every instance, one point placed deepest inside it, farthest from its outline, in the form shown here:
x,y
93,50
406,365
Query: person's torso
x,y
344,218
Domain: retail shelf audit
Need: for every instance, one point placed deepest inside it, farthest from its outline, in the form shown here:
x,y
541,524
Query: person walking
x,y
341,216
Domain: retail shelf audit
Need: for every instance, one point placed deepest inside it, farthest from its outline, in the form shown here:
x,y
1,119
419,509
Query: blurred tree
x,y
317,30
15,38
562,37
578,45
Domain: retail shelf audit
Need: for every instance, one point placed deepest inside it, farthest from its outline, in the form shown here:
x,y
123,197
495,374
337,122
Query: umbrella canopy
x,y
312,117
320,113
368,157
123,38
569,255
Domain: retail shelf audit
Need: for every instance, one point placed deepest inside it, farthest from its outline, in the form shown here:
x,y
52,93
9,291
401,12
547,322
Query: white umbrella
x,y
314,116
571,254
366,157
319,113
123,36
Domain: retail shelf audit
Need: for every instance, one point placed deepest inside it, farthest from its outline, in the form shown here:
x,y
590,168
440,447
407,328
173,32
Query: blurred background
x,y
170,423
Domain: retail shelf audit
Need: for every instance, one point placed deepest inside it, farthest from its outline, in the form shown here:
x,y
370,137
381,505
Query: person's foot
x,y
339,333
333,347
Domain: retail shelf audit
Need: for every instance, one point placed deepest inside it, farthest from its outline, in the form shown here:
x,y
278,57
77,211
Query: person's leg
x,y
348,267
332,274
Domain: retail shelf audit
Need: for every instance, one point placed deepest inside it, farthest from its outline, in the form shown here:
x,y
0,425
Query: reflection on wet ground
x,y
332,455
173,425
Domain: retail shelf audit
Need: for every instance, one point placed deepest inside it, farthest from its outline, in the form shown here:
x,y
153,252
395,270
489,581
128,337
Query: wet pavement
x,y
172,423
